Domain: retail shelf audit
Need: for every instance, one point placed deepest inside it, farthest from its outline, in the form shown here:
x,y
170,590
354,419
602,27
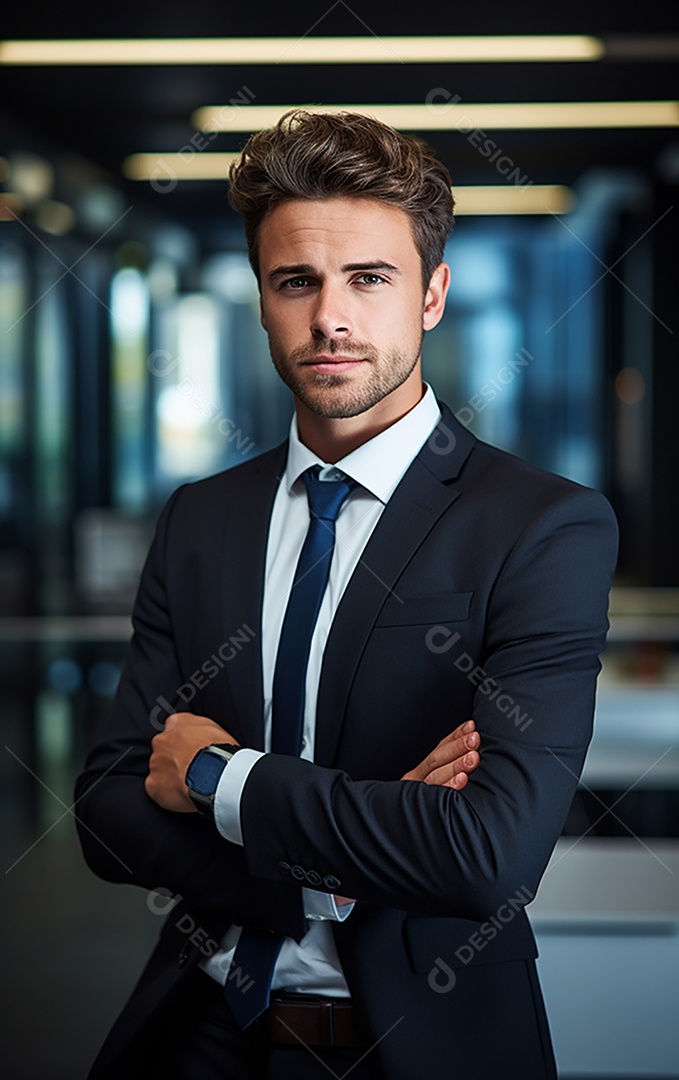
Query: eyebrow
x,y
303,269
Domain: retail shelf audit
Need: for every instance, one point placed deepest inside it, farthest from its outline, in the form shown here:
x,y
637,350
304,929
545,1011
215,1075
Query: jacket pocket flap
x,y
507,935
426,610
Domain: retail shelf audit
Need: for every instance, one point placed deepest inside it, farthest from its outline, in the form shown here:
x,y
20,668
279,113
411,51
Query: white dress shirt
x,y
378,466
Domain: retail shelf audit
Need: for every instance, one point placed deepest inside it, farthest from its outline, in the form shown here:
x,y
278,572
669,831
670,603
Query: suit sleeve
x,y
126,837
431,850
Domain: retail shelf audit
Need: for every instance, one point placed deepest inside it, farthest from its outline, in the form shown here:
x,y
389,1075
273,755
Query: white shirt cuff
x,y
321,907
229,791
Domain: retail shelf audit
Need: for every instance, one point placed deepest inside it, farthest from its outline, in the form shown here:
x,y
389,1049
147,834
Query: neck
x,y
332,439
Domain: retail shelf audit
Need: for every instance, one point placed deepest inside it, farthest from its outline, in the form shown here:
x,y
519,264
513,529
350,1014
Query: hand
x,y
173,750
450,763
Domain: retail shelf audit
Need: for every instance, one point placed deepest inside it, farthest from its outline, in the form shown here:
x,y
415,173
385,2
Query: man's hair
x,y
323,156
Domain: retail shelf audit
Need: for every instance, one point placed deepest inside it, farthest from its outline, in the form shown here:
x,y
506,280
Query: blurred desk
x,y
636,737
638,614
607,922
65,628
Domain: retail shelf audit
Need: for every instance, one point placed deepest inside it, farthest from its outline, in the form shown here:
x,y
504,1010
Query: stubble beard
x,y
337,397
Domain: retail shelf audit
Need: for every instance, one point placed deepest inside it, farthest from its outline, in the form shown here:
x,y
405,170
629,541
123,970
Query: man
x,y
353,849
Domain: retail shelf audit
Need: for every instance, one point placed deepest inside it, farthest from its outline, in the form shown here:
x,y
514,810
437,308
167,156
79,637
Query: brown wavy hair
x,y
324,155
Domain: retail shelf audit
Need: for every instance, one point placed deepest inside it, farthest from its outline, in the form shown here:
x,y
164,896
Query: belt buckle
x,y
320,1012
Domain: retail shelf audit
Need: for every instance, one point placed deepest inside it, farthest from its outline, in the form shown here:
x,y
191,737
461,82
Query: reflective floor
x,y
71,949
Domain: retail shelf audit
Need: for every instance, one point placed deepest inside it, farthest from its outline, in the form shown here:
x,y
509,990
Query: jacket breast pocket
x,y
426,610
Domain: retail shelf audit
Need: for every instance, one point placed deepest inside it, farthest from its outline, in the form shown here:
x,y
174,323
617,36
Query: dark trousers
x,y
197,1040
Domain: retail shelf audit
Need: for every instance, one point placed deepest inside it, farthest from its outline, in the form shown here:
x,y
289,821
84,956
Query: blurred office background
x,y
132,360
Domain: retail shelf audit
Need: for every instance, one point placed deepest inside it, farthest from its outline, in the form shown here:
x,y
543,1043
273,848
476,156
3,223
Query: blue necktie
x,y
255,957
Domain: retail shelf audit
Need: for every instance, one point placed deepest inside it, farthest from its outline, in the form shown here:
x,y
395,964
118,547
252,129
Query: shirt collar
x,y
379,464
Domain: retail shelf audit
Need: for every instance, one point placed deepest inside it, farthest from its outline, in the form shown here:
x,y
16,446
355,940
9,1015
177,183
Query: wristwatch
x,y
204,772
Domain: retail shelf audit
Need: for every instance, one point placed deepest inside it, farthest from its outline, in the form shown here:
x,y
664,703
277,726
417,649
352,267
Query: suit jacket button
x,y
331,882
184,954
297,872
313,877
284,867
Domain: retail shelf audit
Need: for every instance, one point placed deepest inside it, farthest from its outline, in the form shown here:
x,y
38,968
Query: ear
x,y
262,316
435,296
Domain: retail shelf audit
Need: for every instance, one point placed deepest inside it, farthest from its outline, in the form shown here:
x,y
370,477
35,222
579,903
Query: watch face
x,y
204,772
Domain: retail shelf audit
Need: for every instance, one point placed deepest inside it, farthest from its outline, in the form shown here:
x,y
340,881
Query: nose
x,y
330,316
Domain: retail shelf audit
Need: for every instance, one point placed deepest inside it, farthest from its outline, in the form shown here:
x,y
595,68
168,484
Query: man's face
x,y
342,303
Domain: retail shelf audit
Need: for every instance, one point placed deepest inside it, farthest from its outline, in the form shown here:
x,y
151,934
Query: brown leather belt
x,y
296,1019
310,1020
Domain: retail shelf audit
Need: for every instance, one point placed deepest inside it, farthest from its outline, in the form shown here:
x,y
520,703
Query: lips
x,y
334,364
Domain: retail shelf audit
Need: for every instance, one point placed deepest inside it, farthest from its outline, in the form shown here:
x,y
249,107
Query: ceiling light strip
x,y
445,115
306,50
188,165
498,199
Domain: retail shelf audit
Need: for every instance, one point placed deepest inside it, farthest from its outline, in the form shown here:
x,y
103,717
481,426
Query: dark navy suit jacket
x,y
482,592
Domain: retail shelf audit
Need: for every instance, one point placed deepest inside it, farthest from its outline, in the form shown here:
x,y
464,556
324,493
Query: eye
x,y
368,278
295,283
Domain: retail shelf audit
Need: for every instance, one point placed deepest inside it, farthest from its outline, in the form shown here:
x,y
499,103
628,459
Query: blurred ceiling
x,y
103,113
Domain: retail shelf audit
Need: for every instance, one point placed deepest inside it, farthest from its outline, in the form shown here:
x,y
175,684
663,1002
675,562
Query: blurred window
x,y
129,352
518,355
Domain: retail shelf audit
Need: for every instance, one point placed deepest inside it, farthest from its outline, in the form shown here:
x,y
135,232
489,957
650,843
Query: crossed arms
x,y
440,845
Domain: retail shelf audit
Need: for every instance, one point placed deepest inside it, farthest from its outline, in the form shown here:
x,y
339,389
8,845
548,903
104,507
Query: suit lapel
x,y
424,494
242,587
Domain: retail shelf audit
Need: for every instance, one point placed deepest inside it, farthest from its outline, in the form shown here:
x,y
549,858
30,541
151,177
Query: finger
x,y
451,751
457,782
444,756
460,731
462,765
